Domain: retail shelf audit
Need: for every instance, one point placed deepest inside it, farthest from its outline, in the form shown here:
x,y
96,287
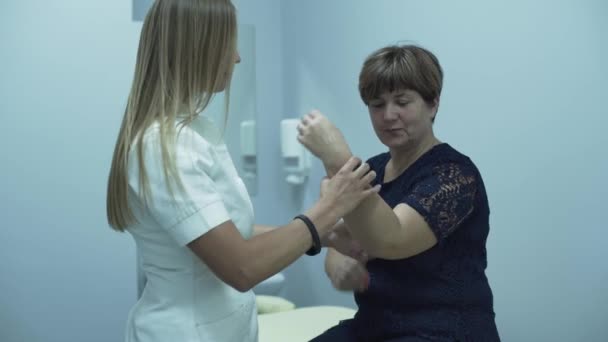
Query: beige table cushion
x,y
301,324
272,304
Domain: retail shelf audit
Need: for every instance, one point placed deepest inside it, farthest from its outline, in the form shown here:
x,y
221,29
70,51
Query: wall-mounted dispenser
x,y
295,158
249,157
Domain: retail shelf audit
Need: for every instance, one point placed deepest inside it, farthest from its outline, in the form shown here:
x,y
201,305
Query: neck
x,y
402,158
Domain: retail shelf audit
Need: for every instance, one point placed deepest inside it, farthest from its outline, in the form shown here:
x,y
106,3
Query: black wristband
x,y
316,241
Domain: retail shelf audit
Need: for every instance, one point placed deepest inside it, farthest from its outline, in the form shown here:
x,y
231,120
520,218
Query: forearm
x,y
276,249
261,229
373,224
332,165
273,250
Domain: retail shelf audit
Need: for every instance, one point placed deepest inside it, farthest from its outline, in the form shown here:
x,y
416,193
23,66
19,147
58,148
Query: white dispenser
x,y
249,156
296,159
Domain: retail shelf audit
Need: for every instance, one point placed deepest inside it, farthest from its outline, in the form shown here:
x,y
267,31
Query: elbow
x,y
388,250
242,287
242,281
390,255
398,251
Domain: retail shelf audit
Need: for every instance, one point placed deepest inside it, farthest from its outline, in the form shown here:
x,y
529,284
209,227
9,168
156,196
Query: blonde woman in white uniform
x,y
173,186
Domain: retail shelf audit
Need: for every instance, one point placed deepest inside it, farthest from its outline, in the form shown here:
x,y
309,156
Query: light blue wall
x,y
140,9
65,71
275,202
271,195
524,97
66,68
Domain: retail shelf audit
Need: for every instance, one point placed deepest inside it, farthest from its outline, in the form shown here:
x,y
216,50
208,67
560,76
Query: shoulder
x,y
186,146
445,157
378,161
186,140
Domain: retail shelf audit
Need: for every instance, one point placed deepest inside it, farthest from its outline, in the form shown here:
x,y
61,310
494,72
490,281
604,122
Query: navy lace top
x,y
441,294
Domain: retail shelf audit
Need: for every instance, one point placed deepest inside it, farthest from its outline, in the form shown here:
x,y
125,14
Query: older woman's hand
x,y
339,238
323,139
346,274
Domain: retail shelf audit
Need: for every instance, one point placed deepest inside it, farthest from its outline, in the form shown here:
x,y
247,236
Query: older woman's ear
x,y
435,107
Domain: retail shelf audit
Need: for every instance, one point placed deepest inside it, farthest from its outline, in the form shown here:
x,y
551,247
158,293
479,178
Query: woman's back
x,y
183,300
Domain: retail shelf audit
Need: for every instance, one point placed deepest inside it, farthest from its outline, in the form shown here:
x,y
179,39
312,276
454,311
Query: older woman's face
x,y
401,118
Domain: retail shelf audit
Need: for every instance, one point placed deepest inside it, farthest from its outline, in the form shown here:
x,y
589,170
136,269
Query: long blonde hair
x,y
186,54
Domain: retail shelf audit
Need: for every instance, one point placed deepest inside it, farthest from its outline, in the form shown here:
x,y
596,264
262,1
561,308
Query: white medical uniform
x,y
183,301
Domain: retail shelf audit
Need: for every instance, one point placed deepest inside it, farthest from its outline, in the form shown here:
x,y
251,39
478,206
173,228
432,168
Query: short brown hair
x,y
407,67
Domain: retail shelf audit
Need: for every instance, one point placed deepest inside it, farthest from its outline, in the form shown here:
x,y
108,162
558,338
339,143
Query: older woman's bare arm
x,y
382,232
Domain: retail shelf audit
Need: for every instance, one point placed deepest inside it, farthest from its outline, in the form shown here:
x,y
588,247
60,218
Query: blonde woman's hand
x,y
323,139
348,187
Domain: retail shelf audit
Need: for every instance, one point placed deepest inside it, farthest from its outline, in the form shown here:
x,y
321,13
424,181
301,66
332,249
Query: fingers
x,y
371,191
359,169
369,177
305,120
363,170
363,257
359,278
356,275
350,275
312,115
357,253
304,123
366,177
350,165
309,117
361,176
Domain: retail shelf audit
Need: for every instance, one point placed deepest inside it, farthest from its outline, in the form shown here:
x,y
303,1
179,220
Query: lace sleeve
x,y
444,197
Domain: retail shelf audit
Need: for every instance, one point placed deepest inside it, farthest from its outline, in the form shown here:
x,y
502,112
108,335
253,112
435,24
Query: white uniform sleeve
x,y
184,215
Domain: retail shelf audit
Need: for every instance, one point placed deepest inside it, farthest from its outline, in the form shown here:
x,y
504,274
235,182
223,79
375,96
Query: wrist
x,y
323,214
335,163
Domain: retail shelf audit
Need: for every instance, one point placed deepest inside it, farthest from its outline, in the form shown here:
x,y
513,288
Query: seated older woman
x,y
425,232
